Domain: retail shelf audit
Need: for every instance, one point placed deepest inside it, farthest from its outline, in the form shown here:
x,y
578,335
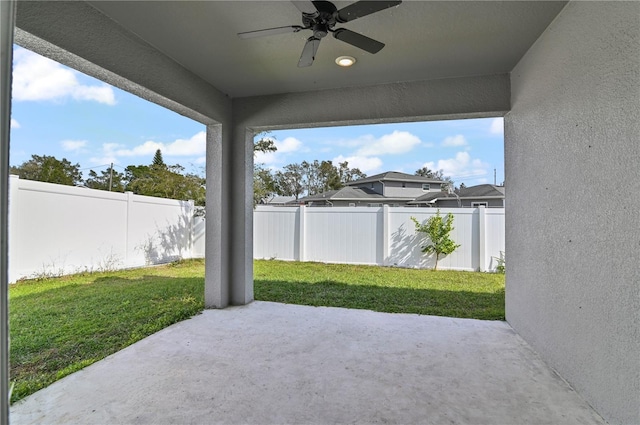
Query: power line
x,y
100,166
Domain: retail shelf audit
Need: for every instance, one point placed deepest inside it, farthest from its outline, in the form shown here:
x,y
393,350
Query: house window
x,y
478,204
404,185
426,187
352,204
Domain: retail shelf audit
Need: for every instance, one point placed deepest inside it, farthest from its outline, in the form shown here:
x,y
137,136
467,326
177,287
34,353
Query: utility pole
x,y
111,177
494,176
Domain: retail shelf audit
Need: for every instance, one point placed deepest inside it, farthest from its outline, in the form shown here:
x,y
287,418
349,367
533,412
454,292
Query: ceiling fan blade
x,y
309,52
306,7
270,31
360,41
363,8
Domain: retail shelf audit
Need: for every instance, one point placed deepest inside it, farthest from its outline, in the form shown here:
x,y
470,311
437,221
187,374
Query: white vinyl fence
x,y
376,235
56,229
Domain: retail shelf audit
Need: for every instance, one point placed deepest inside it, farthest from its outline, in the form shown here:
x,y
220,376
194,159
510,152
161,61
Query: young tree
x,y
437,230
49,169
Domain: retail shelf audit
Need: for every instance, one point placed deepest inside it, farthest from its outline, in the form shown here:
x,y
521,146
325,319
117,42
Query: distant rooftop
x,y
394,176
475,192
346,193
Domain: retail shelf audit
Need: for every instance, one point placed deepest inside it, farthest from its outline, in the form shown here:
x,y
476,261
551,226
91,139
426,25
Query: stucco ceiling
x,y
424,40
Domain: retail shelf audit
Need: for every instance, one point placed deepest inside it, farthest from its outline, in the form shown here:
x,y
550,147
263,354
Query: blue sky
x,y
60,112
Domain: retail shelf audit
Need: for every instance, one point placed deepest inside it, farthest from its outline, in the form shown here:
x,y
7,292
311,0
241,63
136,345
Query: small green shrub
x,y
437,230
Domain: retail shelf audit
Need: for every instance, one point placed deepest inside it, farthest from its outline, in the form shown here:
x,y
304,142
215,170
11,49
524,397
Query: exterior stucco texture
x,y
572,247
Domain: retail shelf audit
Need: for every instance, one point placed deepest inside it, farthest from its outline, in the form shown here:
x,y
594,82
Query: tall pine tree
x,y
157,160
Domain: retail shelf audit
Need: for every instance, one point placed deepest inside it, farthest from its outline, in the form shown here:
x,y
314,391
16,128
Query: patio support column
x,y
241,216
216,287
7,20
229,215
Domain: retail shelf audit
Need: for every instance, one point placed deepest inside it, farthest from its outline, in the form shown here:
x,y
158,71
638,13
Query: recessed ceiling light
x,y
345,60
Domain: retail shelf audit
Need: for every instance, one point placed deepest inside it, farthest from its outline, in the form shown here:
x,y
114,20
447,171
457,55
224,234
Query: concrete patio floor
x,y
269,363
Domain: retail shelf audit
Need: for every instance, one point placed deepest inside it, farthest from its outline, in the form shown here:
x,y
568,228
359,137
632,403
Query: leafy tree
x,y
347,174
157,159
105,179
49,169
437,230
436,175
426,172
264,145
165,182
319,176
264,184
314,177
288,182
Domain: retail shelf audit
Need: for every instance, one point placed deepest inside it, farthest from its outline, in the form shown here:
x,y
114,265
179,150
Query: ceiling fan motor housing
x,y
324,21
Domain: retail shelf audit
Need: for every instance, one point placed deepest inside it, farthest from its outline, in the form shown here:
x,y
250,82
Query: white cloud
x,y
462,166
497,126
38,78
284,148
14,123
103,160
196,145
366,164
458,140
398,142
290,144
73,145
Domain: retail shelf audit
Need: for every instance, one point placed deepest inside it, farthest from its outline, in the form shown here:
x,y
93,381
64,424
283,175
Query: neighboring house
x,y
279,200
390,188
486,195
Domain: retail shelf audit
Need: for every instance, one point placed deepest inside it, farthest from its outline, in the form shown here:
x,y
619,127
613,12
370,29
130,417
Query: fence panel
x,y
276,233
56,229
374,235
342,235
405,243
495,240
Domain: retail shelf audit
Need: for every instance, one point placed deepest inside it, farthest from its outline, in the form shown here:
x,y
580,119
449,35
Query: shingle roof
x,y
482,190
394,176
479,191
346,193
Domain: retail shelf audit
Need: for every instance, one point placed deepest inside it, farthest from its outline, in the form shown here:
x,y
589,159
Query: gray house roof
x,y
393,176
481,191
345,194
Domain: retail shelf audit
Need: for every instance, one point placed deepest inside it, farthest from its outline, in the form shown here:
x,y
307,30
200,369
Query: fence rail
x,y
376,235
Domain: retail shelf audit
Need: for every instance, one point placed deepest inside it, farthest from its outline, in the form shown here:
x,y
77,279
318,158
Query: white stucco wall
x,y
573,221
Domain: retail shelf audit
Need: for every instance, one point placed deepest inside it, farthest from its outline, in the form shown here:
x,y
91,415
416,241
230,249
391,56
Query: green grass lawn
x,y
61,325
386,289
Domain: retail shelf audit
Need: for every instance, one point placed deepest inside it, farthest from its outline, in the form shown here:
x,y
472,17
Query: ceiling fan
x,y
321,17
